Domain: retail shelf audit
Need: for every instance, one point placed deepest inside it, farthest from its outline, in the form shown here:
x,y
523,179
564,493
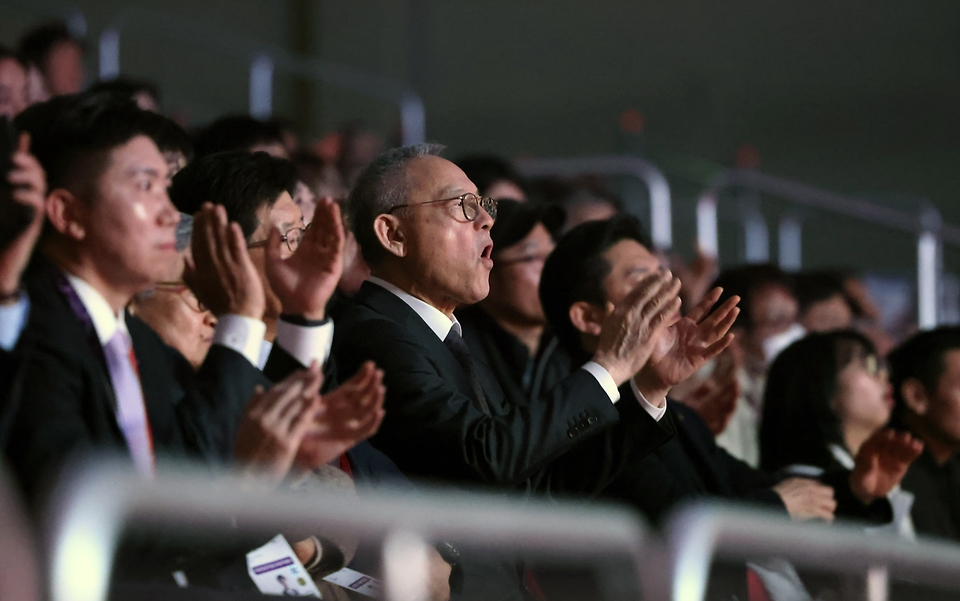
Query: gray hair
x,y
381,186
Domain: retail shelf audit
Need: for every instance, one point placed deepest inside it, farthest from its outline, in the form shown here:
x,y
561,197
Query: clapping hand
x,y
348,415
220,272
881,463
29,184
687,345
306,280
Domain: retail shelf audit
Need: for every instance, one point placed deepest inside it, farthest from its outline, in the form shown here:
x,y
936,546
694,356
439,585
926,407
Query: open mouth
x,y
487,252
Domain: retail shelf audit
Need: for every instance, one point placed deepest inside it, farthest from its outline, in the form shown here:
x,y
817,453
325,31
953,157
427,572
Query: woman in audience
x,y
825,405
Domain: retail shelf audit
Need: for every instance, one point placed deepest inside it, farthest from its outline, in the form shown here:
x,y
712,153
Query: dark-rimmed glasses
x,y
470,204
291,238
179,288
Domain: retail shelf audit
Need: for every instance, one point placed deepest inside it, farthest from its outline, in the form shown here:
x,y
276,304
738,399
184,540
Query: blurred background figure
x,y
146,94
822,301
13,85
57,57
583,199
494,177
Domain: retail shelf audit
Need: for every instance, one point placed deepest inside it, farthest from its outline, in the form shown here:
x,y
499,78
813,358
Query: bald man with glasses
x,y
425,233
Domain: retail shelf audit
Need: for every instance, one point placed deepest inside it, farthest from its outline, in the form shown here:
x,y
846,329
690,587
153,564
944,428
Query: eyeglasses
x,y
292,239
470,203
185,293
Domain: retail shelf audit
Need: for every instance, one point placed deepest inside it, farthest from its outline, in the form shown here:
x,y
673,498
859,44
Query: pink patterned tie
x,y
131,410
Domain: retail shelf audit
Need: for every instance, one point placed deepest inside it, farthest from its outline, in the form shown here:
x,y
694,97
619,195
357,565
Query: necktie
x,y
458,347
131,410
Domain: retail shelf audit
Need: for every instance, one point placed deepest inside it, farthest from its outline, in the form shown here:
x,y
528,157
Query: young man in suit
x,y
595,265
97,378
426,236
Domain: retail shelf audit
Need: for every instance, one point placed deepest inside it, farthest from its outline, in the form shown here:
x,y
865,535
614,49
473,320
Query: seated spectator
x,y
13,85
767,324
583,199
925,373
172,310
826,402
241,132
494,177
425,234
144,93
822,302
506,330
57,55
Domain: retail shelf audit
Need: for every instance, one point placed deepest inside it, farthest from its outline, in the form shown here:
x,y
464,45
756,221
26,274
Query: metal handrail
x,y
661,225
262,60
97,499
696,534
927,226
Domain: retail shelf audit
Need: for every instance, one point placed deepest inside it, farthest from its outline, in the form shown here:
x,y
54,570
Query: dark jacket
x,y
936,492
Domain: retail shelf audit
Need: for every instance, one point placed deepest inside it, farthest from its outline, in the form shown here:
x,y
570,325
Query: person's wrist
x,y
859,491
655,392
10,294
613,367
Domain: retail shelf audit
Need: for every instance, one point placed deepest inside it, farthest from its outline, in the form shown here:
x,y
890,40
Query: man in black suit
x,y
595,265
425,234
96,377
925,374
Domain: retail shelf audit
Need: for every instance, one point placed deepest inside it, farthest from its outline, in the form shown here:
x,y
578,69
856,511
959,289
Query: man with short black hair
x,y
925,375
241,132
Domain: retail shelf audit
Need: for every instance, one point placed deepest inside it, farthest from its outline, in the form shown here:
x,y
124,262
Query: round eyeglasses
x,y
470,204
291,238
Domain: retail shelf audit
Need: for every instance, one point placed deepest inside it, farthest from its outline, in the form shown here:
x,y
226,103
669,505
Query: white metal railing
x,y
262,63
661,220
697,534
926,225
96,501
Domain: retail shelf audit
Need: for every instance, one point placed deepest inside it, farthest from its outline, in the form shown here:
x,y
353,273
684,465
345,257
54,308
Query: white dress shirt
x,y
441,325
13,318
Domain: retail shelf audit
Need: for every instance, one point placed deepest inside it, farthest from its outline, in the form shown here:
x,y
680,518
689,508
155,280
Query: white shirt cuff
x,y
242,334
306,343
604,378
13,318
655,412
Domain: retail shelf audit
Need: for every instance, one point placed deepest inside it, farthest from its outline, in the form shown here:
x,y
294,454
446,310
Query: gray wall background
x,y
859,96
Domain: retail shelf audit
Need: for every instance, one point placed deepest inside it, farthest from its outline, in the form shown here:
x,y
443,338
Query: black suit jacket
x,y
936,491
67,402
573,440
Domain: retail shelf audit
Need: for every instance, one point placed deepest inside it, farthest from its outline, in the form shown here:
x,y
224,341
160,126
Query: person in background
x,y
494,176
144,93
58,57
925,374
825,406
13,85
767,324
822,301
240,132
507,330
583,199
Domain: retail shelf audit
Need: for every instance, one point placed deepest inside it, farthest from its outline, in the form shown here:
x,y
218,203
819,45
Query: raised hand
x,y
881,463
688,345
348,415
220,272
29,184
306,280
632,329
807,499
276,421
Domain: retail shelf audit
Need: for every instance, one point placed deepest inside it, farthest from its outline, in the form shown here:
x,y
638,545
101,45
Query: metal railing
x,y
926,225
661,224
97,501
700,533
263,61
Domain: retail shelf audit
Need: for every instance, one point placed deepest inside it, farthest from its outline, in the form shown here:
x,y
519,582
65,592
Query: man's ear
x,y
389,231
587,317
915,396
66,213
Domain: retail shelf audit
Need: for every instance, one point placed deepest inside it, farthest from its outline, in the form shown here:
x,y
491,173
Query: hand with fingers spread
x,y
631,330
306,280
276,421
807,499
29,187
349,414
220,272
881,463
687,345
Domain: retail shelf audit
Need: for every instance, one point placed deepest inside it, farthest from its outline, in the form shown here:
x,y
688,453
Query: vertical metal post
x,y
413,120
261,87
406,567
109,53
790,243
878,584
928,269
661,221
708,239
756,237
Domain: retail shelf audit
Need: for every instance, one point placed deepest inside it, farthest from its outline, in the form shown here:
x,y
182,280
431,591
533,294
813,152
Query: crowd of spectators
x,y
346,316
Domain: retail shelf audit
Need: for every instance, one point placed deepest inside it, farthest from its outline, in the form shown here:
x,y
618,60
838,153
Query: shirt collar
x,y
433,317
105,322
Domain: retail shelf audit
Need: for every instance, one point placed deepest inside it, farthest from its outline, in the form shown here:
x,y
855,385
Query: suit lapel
x,y
160,392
